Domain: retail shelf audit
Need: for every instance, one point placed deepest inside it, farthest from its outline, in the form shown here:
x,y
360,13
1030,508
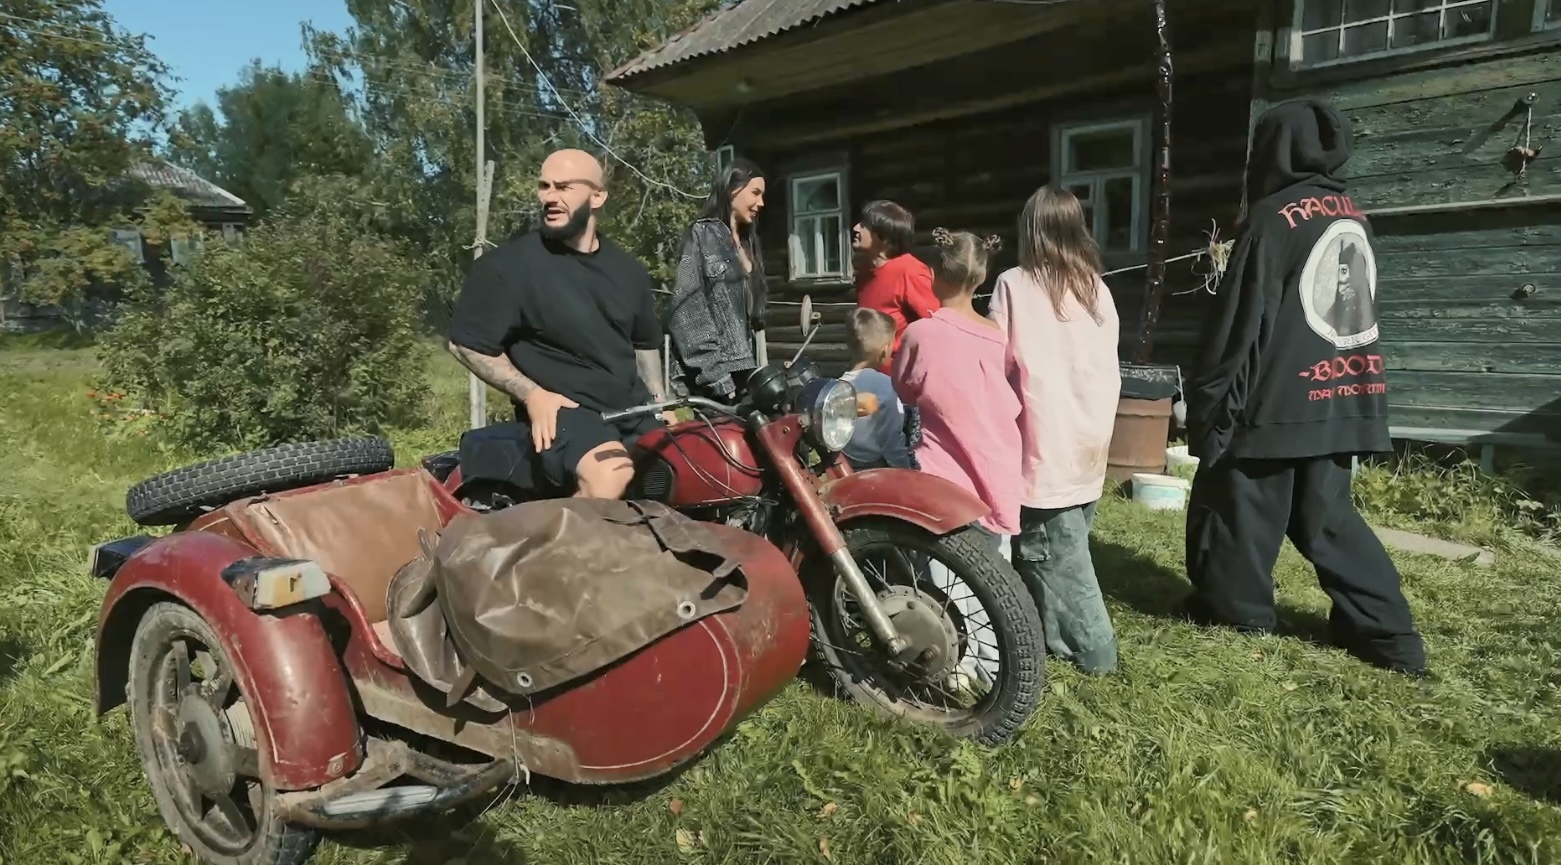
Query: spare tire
x,y
183,494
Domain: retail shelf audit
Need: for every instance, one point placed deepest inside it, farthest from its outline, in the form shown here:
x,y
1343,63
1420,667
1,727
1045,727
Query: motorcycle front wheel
x,y
960,603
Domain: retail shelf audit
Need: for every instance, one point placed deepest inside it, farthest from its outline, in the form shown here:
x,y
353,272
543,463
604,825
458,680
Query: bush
x,y
306,329
1455,495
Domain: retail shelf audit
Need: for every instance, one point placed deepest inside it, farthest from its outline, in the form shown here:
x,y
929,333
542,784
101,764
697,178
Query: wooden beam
x,y
780,137
1460,206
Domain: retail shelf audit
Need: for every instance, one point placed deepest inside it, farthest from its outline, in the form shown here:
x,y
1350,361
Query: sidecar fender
x,y
926,501
283,661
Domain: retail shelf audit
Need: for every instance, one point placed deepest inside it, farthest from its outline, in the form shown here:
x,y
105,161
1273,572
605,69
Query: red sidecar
x,y
268,702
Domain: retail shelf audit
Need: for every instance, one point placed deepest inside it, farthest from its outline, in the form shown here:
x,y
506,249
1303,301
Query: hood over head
x,y
1297,142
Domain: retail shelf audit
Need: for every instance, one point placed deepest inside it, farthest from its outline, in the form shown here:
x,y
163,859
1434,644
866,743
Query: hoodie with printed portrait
x,y
1291,365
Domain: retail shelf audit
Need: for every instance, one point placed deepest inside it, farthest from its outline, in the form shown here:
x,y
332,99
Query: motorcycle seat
x,y
360,532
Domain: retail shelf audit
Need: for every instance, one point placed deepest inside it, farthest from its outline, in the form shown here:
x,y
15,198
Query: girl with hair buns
x,y
1062,327
952,367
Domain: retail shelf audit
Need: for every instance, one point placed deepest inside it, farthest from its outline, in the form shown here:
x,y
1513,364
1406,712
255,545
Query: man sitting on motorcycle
x,y
562,320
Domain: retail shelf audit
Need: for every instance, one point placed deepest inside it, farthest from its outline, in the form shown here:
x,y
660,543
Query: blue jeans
x,y
1051,554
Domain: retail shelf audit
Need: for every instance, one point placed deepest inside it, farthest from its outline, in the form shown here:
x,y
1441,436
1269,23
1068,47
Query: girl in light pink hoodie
x,y
1062,325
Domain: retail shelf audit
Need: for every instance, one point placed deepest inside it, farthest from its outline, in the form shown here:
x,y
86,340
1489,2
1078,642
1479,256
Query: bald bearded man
x,y
562,320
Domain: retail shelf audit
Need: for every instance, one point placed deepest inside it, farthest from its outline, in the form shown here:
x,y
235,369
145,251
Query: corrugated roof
x,y
721,31
186,184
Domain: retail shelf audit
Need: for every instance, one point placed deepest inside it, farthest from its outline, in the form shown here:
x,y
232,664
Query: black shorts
x,y
504,451
579,431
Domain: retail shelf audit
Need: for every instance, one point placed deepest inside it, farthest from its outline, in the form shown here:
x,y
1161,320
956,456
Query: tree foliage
x,y
544,90
308,328
275,127
79,100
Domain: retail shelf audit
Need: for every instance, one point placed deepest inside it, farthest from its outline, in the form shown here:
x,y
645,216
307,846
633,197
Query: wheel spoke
x,y
229,811
180,652
215,689
245,761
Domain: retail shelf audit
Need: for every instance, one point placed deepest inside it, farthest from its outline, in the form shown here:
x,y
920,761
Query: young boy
x,y
879,439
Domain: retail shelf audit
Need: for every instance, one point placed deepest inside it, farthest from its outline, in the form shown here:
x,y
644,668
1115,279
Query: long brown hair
x,y
1058,250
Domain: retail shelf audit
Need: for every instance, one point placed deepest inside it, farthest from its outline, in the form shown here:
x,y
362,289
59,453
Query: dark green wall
x,y
1468,348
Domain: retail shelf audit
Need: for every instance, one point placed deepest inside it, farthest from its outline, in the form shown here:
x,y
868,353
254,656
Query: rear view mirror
x,y
807,313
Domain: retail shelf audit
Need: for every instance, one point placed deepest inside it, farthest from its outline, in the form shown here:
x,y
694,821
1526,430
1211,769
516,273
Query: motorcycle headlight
x,y
830,405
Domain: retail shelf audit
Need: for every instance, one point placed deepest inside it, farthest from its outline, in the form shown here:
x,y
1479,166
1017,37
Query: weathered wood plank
x,y
1406,312
1455,417
1491,74
1474,182
1427,234
1496,357
1469,117
1502,392
1429,150
1468,262
1481,292
1481,328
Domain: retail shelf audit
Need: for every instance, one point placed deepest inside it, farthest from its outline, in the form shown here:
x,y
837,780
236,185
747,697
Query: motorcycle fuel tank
x,y
696,463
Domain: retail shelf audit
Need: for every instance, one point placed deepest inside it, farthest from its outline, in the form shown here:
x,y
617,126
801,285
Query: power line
x,y
581,124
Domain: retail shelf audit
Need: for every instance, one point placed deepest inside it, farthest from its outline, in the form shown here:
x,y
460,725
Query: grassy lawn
x,y
1207,747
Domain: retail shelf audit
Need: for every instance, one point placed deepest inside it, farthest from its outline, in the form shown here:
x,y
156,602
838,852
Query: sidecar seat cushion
x,y
361,533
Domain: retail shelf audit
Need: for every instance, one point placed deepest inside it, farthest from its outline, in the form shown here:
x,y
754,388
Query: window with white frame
x,y
1336,31
130,239
1106,165
818,231
724,155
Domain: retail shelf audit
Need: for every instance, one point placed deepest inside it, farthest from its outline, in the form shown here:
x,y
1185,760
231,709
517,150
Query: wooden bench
x,y
1486,440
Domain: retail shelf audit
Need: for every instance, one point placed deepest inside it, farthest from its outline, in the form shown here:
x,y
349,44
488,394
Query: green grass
x,y
1207,747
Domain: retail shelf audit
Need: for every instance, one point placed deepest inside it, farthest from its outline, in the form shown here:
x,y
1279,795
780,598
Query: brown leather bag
x,y
539,594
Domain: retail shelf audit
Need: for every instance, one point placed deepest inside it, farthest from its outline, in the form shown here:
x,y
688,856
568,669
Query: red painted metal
x,y
711,462
636,719
924,500
779,441
646,714
305,725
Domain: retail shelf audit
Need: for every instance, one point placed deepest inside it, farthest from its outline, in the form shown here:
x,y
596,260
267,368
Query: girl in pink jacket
x,y
953,368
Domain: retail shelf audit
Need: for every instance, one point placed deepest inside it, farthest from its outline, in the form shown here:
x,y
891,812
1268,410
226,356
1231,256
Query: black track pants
x,y
1239,513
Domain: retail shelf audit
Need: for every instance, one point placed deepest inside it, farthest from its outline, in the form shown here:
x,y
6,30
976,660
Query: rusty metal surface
x,y
305,724
1160,214
725,29
1139,438
385,762
923,500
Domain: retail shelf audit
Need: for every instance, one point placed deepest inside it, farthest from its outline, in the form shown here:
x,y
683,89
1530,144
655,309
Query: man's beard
x,y
570,230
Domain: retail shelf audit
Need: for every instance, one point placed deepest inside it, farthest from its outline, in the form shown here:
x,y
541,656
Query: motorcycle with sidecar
x,y
269,699
912,613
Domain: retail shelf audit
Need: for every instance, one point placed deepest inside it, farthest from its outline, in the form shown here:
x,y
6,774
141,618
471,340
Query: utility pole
x,y
477,389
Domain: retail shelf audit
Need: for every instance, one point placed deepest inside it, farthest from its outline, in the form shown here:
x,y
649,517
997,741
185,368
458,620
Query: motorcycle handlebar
x,y
659,407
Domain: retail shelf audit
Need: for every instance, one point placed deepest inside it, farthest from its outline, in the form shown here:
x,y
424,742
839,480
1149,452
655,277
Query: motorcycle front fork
x,y
779,440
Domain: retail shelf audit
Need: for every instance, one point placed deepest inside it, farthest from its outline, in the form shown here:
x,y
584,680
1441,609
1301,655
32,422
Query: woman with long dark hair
x,y
719,295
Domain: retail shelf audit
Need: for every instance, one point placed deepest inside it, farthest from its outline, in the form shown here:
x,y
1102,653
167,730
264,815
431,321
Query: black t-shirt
x,y
569,321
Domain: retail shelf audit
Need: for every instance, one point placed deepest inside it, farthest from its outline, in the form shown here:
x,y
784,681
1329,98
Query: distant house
x,y
959,109
220,212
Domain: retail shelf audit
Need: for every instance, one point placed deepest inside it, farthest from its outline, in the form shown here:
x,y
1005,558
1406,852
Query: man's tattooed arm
x,y
498,372
649,365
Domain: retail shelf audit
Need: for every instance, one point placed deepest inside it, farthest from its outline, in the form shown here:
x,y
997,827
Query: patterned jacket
x,y
715,309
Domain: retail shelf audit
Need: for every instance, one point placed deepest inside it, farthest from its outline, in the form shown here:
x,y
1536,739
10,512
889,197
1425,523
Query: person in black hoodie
x,y
1289,388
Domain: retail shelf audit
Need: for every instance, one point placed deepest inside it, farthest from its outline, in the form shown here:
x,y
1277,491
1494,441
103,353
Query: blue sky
x,y
206,42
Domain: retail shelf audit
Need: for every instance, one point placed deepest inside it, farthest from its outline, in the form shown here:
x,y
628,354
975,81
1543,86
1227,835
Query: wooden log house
x,y
959,109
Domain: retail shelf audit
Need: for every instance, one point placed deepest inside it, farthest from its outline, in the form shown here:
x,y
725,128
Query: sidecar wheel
x,y
197,744
893,555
